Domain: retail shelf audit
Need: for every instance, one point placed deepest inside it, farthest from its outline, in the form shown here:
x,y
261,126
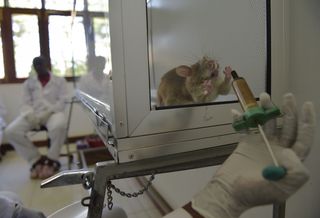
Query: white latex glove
x,y
239,185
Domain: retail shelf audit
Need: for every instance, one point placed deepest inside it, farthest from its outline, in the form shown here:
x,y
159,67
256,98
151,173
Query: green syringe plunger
x,y
253,113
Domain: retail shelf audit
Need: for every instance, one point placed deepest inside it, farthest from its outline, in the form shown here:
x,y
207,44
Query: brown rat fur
x,y
199,83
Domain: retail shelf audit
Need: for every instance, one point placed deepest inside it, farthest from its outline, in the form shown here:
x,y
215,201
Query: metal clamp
x,y
70,177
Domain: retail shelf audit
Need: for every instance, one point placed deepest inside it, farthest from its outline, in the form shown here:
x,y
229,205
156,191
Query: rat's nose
x,y
212,65
214,73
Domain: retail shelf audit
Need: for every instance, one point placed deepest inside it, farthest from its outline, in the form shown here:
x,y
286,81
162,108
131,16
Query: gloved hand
x,y
38,114
28,113
239,185
44,110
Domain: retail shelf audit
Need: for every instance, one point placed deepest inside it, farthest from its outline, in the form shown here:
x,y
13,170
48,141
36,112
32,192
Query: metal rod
x,y
279,210
268,146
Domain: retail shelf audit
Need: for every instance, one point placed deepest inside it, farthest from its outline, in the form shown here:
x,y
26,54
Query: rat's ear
x,y
183,71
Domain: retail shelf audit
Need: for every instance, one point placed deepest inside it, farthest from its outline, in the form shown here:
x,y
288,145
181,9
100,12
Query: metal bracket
x,y
69,177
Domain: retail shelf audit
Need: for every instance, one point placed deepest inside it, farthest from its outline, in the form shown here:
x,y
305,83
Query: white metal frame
x,y
141,132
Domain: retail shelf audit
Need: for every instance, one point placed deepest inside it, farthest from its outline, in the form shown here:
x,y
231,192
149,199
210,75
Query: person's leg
x,y
16,133
56,125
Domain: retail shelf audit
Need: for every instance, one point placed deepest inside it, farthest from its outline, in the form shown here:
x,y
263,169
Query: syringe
x,y
255,116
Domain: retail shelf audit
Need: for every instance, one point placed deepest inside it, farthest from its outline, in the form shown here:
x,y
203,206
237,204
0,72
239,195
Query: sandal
x,y
36,168
49,168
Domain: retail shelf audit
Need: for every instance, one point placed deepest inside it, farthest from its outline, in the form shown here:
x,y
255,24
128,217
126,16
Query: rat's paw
x,y
207,87
227,72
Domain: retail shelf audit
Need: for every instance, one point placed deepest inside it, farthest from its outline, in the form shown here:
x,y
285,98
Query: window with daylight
x,y
67,32
67,49
25,38
25,3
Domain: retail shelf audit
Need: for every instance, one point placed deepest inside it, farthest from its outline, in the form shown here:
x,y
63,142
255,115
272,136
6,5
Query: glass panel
x,y
1,3
193,41
25,38
67,45
98,81
98,5
102,41
65,5
25,3
1,58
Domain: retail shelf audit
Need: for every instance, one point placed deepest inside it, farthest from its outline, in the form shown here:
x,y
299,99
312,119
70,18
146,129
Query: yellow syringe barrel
x,y
243,92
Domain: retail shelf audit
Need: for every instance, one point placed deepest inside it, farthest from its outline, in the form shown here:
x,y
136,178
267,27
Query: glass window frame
x,y
43,16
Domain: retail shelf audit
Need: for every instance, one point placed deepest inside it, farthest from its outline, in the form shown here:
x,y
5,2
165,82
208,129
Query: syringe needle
x,y
268,146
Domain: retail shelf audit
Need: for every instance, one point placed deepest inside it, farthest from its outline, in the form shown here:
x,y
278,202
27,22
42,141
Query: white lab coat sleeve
x,y
26,94
63,96
27,104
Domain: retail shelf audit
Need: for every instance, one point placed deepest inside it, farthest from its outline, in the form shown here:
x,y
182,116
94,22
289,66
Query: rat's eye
x,y
211,65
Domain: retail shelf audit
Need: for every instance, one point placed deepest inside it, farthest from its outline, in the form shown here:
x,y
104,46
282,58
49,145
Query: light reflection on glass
x,y
102,40
67,44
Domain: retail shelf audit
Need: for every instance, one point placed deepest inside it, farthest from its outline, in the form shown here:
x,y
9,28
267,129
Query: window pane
x,y
102,40
1,58
1,3
26,43
66,5
25,3
65,43
98,5
201,37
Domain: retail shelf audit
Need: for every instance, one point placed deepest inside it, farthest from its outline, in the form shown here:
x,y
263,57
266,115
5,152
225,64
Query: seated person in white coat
x,y
44,97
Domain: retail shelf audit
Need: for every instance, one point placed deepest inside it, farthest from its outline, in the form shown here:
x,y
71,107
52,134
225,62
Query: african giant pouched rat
x,y
198,83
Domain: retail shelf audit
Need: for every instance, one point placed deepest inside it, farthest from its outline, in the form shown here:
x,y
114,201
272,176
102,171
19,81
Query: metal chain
x,y
109,195
122,193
